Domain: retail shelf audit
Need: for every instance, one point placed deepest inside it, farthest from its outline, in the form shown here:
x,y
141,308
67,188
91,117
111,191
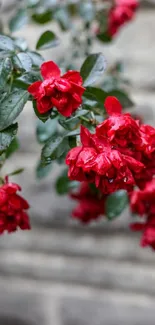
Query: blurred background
x,y
62,273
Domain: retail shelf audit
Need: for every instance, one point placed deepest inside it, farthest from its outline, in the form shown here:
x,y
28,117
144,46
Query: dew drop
x,y
125,179
110,180
48,160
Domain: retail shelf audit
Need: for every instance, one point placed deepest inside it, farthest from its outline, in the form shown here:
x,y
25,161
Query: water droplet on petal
x,y
125,179
110,180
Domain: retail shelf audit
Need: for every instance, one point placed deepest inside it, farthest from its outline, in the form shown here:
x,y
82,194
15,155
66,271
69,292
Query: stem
x,y
84,119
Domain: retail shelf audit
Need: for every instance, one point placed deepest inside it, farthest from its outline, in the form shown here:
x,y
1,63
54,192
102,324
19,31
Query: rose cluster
x,y
119,155
122,12
12,209
112,157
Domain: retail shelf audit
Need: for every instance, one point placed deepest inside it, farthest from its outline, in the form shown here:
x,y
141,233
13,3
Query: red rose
x,y
96,161
132,4
148,229
91,204
12,209
122,12
143,201
64,92
121,129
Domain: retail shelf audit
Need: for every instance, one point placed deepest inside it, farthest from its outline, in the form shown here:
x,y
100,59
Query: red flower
x,y
121,129
146,153
97,162
64,92
12,209
91,204
143,201
121,13
148,229
132,4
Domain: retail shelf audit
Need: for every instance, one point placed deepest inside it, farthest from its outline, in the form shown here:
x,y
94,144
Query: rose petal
x,y
112,105
34,88
50,70
73,76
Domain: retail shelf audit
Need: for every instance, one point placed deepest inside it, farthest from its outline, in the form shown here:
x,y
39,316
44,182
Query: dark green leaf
x,y
25,61
104,37
87,11
72,142
46,130
42,171
47,40
26,79
6,43
54,148
63,18
3,94
93,68
32,3
19,20
14,146
42,16
11,107
122,97
21,43
7,135
98,94
72,133
115,204
63,185
71,123
16,172
5,70
36,58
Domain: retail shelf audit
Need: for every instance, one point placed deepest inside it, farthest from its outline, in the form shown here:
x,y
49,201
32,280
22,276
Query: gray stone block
x,y
94,312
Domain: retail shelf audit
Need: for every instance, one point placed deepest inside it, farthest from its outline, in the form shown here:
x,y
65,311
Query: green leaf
x,y
42,16
16,172
98,94
3,94
26,79
21,43
45,130
11,107
14,146
19,20
5,70
104,37
93,68
54,148
6,43
63,18
25,61
123,97
72,133
36,58
71,123
87,11
47,40
63,185
115,204
7,135
32,3
43,171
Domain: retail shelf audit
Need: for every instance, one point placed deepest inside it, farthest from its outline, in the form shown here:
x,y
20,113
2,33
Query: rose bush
x,y
109,154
